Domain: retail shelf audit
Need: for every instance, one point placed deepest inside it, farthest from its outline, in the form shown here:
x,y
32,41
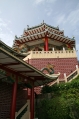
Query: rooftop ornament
x,y
16,37
73,38
27,26
58,26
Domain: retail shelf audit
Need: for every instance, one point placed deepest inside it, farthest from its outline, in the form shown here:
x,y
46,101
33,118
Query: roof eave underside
x,y
41,35
17,66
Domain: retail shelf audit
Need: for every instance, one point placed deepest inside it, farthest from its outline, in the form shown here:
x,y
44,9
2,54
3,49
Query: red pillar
x,y
32,103
13,104
46,43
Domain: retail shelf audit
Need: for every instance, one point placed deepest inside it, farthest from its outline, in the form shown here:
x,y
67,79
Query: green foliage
x,y
46,89
53,109
64,104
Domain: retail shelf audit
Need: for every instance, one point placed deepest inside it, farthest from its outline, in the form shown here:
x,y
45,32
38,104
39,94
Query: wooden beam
x,y
10,64
15,72
25,71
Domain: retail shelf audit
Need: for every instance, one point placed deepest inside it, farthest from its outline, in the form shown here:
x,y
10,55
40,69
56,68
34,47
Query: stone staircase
x,y
73,75
68,78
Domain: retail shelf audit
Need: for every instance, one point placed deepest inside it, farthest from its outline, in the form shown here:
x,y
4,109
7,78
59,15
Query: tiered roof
x,y
39,32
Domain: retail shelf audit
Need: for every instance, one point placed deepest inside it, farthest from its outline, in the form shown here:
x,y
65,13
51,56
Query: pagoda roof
x,y
39,32
41,28
46,33
30,28
15,66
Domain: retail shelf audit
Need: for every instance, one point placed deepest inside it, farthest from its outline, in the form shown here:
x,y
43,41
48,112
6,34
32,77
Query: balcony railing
x,y
51,54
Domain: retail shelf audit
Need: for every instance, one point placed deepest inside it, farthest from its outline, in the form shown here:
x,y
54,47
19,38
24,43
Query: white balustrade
x,y
51,54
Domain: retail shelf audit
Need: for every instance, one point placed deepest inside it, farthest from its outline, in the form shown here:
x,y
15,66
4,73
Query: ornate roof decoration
x,y
39,32
9,49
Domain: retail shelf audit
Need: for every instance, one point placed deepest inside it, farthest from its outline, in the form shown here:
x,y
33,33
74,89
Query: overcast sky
x,y
15,15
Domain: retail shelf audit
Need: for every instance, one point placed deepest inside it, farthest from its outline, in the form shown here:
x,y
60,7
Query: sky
x,y
15,15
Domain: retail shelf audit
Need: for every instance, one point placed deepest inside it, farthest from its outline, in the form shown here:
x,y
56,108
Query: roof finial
x,y
16,37
58,26
73,37
27,26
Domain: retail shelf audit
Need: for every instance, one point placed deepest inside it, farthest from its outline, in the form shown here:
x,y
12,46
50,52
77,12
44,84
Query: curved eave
x,y
42,25
42,35
56,28
41,28
9,49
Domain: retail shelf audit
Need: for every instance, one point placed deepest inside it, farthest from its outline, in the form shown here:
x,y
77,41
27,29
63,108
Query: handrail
x,y
17,113
72,75
52,83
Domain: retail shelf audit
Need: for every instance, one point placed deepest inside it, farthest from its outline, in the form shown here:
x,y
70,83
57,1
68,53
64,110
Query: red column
x,y
32,103
13,104
46,43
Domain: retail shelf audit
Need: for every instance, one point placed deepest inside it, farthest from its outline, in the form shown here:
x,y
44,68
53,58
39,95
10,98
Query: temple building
x,y
45,44
43,55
